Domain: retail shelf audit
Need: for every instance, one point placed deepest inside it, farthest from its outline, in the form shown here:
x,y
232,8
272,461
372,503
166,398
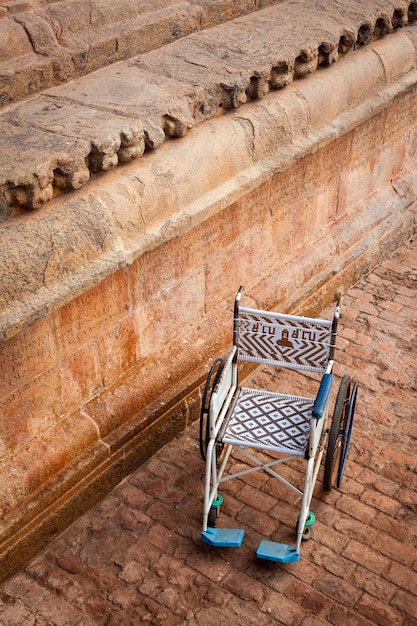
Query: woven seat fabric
x,y
270,421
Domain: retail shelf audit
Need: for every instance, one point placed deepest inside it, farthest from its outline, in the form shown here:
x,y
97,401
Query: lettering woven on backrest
x,y
285,340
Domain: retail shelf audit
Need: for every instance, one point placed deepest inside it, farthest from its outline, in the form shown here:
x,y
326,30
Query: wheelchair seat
x,y
270,421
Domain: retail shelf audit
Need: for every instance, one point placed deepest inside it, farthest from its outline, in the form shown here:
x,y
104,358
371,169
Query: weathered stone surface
x,y
26,72
165,92
217,11
314,36
40,32
56,144
394,57
114,138
14,41
77,37
77,434
341,87
163,107
35,158
50,254
98,33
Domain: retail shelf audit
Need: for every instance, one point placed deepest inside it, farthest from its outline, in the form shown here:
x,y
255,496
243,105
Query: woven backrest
x,y
285,340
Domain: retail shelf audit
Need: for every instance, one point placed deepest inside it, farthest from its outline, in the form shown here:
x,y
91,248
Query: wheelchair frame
x,y
292,426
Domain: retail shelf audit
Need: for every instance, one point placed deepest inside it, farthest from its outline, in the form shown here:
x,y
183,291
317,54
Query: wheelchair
x,y
241,421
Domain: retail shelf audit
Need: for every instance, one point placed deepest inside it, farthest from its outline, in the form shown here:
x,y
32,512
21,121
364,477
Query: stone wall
x,y
118,295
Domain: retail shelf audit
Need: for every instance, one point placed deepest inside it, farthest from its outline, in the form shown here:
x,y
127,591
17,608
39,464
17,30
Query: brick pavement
x,y
136,557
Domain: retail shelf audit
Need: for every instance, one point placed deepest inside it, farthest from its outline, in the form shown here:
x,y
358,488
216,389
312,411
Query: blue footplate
x,y
278,552
223,537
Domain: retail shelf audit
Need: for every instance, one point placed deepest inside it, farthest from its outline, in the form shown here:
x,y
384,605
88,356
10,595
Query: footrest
x,y
223,537
279,552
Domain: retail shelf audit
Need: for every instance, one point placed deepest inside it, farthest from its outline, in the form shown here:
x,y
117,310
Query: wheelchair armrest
x,y
223,384
322,396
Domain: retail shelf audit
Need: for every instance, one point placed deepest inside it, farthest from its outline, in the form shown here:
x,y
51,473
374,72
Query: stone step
x,y
57,140
44,42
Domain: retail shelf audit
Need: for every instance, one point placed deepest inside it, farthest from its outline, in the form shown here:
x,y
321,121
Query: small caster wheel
x,y
308,527
307,533
212,516
214,511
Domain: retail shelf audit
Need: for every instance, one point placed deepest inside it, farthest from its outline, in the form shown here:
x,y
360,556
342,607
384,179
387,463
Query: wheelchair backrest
x,y
285,340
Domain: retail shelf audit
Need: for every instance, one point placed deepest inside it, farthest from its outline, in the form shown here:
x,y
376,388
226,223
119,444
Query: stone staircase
x,y
44,43
57,140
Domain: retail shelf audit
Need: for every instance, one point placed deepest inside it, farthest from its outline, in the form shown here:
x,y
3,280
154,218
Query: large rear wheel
x,y
340,434
347,433
211,382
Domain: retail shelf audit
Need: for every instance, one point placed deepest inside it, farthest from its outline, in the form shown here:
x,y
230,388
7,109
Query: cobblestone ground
x,y
136,558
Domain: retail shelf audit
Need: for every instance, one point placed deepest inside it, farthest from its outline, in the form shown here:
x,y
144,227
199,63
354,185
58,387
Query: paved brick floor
x,y
136,558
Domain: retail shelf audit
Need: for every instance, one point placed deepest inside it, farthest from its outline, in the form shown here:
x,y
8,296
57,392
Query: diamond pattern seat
x,y
269,421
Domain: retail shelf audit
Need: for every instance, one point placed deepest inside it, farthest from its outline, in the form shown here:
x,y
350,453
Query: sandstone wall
x,y
117,296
